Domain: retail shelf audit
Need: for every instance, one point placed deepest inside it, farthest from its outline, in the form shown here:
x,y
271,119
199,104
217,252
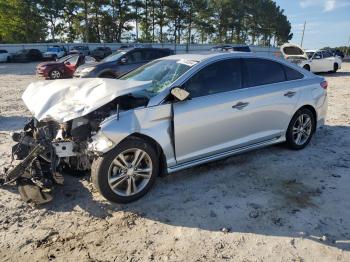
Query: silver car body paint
x,y
206,128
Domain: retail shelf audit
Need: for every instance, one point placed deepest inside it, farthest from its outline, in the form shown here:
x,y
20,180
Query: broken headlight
x,y
100,144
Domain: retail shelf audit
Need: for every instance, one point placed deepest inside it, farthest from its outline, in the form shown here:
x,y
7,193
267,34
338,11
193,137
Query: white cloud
x,y
326,5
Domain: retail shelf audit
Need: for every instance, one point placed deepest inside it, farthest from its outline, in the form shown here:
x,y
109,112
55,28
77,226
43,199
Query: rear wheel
x,y
55,74
127,172
335,68
300,129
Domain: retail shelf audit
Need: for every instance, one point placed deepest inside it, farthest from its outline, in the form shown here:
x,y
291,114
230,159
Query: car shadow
x,y
337,74
10,123
271,191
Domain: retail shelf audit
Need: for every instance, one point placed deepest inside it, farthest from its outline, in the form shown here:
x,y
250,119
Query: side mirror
x,y
67,63
180,94
123,60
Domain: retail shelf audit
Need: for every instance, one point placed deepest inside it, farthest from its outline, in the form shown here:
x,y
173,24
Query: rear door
x,y
328,61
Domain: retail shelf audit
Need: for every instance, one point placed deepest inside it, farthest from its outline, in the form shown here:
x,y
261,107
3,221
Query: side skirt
x,y
226,154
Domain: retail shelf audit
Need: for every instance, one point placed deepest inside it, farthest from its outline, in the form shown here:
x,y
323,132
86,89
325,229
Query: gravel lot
x,y
268,205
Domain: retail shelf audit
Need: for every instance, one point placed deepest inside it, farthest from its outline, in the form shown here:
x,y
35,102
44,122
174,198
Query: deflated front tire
x,y
127,172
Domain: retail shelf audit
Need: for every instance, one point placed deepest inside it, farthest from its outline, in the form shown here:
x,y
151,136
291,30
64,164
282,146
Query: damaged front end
x,y
48,148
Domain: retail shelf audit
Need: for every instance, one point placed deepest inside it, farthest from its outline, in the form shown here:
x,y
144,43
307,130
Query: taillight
x,y
324,84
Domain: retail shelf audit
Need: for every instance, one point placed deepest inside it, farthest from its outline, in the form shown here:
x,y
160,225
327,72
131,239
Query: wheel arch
x,y
157,147
106,72
312,109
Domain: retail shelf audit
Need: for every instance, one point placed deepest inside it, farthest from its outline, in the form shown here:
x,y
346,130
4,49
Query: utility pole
x,y
302,37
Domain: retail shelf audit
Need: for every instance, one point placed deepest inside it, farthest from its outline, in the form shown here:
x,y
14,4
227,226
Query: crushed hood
x,y
292,51
66,99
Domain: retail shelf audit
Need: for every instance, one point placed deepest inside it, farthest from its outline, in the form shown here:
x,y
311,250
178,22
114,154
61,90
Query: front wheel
x,y
55,74
300,129
127,172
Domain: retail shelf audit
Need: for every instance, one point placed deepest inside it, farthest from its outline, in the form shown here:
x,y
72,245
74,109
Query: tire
x,y
335,68
293,131
104,169
306,67
8,60
107,75
55,74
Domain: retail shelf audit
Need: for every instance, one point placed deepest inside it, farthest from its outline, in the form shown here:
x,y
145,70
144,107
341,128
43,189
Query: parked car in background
x,y
121,62
312,60
54,52
62,68
80,49
239,48
27,55
174,113
101,52
5,56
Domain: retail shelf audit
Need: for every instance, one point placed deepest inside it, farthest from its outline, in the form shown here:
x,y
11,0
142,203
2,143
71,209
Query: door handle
x,y
240,105
290,94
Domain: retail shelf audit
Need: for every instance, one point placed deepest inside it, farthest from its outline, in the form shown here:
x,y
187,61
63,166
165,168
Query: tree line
x,y
144,21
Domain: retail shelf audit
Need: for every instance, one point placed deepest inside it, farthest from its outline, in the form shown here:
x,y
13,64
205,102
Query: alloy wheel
x,y
55,74
130,172
302,129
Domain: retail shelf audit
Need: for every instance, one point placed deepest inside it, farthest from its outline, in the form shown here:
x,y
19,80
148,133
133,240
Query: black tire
x,y
101,167
55,74
290,139
335,68
306,67
8,60
107,75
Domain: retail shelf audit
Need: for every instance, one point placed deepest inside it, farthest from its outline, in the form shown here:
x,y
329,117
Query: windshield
x,y
162,73
113,57
310,54
53,49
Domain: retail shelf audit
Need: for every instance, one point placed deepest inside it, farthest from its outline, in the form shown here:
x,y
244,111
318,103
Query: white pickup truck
x,y
54,53
312,60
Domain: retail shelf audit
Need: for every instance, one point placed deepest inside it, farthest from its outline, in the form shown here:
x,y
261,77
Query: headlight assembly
x,y
100,144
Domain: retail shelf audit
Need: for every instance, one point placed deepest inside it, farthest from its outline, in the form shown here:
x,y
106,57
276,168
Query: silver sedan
x,y
200,108
173,113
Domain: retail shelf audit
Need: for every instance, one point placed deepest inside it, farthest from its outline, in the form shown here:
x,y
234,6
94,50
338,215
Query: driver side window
x,y
134,57
222,76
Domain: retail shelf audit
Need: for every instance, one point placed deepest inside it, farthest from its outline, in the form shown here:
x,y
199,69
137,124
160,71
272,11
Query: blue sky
x,y
327,21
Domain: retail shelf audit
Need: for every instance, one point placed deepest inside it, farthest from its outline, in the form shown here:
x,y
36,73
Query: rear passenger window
x,y
292,74
259,71
222,76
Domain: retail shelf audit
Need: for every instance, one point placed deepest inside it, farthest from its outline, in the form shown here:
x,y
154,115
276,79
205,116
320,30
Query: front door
x,y
204,124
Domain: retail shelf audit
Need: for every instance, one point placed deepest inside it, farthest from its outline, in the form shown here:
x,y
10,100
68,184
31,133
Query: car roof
x,y
207,55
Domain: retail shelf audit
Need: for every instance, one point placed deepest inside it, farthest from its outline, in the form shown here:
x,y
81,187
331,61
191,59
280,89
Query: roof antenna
x,y
118,112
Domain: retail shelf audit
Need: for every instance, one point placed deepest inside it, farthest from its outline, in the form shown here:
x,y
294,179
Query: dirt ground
x,y
268,205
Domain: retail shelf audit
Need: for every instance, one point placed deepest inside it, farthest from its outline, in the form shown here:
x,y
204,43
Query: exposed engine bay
x,y
47,149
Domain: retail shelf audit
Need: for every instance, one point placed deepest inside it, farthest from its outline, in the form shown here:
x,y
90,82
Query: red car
x,y
63,67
